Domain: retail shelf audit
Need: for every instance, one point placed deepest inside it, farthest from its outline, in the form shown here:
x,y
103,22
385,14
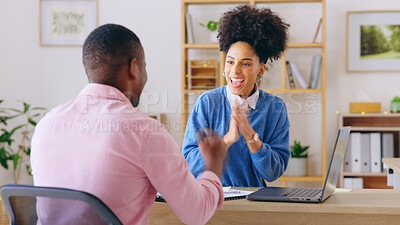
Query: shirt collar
x,y
245,104
103,91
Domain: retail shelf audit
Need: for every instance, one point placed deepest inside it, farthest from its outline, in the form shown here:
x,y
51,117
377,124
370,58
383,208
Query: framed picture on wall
x,y
68,22
373,41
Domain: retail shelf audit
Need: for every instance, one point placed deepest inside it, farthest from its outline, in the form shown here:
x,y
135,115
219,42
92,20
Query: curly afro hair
x,y
261,28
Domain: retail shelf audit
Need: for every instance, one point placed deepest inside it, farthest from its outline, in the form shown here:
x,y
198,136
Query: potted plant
x,y
297,166
213,27
395,105
16,128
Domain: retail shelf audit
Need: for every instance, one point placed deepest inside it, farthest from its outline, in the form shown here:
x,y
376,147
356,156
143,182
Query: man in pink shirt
x,y
100,143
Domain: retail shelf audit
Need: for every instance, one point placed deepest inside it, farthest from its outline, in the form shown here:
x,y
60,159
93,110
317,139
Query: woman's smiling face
x,y
242,66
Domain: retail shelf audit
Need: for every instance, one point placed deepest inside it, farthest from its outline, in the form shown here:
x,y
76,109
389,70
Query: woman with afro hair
x,y
254,123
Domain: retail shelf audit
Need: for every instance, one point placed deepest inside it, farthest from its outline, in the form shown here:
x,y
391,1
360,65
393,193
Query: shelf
x,y
201,46
397,129
370,114
286,1
203,77
351,174
203,88
371,121
305,45
196,91
306,178
293,90
216,45
203,67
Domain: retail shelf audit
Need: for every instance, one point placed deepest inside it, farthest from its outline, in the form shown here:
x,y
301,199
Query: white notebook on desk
x,y
229,194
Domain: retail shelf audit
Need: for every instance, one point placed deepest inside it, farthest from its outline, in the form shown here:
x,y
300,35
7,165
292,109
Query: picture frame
x,y
67,22
373,41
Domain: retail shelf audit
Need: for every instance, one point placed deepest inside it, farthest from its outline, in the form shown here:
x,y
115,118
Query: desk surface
x,y
393,163
366,206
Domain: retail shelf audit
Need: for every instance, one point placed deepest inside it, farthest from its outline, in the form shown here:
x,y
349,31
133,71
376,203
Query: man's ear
x,y
132,66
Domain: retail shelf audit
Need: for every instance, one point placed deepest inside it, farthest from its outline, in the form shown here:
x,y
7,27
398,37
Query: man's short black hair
x,y
106,49
261,28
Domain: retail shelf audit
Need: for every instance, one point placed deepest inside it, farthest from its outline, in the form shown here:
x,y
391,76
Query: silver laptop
x,y
312,195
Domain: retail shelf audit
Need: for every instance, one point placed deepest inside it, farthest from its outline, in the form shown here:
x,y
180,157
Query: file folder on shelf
x,y
347,158
355,152
365,153
375,150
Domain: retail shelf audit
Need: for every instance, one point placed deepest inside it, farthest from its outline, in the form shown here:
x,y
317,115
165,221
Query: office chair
x,y
28,205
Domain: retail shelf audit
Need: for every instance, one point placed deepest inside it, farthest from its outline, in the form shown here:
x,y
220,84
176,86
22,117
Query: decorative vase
x,y
395,107
297,167
213,36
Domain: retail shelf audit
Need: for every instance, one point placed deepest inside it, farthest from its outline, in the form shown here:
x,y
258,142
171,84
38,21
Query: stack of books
x,y
294,73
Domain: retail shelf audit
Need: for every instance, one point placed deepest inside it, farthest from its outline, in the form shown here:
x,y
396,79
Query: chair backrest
x,y
28,205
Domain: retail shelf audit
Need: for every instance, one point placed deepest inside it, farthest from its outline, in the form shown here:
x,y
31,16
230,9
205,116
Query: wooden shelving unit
x,y
283,86
371,122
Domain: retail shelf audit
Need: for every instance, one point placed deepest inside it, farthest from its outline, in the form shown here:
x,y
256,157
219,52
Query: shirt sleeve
x,y
272,159
193,201
190,148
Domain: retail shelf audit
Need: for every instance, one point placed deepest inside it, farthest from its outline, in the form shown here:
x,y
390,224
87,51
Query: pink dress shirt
x,y
99,143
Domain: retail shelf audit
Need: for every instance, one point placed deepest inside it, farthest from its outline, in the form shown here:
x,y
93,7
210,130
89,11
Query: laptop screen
x,y
335,164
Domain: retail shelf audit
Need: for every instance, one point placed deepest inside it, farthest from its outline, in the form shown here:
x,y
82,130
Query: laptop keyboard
x,y
302,192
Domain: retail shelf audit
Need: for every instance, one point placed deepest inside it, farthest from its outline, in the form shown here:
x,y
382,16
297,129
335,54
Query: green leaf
x,y
3,120
15,159
36,115
28,170
298,151
31,121
39,108
396,99
26,107
6,137
212,26
28,151
3,158
16,128
1,100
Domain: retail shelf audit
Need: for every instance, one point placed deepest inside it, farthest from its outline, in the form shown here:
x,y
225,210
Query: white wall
x,y
48,76
343,87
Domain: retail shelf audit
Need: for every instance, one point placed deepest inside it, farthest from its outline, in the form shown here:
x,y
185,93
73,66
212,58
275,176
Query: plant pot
x,y
213,36
297,167
395,107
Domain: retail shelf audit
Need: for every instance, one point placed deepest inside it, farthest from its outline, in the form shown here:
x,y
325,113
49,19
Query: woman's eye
x,y
245,64
229,62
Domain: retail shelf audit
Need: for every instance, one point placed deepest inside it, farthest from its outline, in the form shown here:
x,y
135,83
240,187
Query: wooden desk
x,y
393,173
364,206
3,214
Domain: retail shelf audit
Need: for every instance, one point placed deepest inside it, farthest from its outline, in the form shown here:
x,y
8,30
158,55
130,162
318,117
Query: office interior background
x,y
49,76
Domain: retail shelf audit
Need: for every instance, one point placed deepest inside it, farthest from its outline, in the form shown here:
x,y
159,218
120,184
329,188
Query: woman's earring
x,y
223,73
260,77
